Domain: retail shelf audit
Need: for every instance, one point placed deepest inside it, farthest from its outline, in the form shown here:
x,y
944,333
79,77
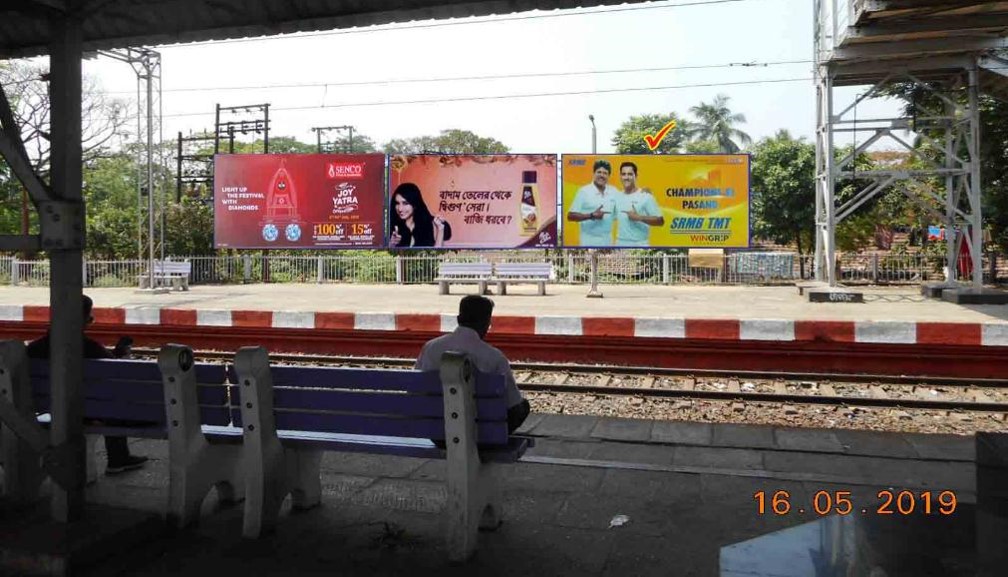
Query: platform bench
x,y
126,398
291,413
538,273
478,273
169,272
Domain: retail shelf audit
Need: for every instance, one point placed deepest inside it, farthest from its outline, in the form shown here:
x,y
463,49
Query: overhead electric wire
x,y
510,96
338,84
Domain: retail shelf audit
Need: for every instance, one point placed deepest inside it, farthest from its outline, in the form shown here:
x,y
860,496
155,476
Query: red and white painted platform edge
x,y
892,332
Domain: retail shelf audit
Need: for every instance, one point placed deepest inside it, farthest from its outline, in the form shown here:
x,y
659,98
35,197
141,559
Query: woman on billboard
x,y
411,223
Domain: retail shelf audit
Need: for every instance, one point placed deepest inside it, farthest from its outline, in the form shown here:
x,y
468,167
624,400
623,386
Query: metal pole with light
x,y
594,291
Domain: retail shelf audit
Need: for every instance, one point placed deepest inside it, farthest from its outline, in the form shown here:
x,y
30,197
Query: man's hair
x,y
475,311
631,165
602,164
86,305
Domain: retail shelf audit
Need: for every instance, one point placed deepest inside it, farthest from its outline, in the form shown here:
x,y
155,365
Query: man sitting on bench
x,y
116,448
474,317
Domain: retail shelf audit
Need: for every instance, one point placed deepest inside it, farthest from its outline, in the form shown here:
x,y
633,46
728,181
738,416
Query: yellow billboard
x,y
657,201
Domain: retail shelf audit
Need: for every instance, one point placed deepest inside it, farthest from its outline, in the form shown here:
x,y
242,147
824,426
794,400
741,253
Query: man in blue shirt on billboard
x,y
636,210
593,207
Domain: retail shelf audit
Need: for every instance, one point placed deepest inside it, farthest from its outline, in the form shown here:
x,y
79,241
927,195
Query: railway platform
x,y
605,496
888,315
894,332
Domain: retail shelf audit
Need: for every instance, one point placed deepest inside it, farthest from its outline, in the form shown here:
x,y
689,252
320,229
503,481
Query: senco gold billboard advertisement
x,y
656,201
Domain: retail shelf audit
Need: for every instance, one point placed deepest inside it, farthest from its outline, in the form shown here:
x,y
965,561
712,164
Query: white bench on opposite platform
x,y
169,272
538,273
478,273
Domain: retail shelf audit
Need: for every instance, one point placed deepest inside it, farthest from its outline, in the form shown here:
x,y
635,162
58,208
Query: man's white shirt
x,y
485,357
629,232
587,200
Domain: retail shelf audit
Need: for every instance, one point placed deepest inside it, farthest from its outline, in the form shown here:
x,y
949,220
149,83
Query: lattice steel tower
x,y
952,50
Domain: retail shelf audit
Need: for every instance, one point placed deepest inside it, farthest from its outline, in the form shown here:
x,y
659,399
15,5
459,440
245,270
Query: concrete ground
x,y
686,489
706,302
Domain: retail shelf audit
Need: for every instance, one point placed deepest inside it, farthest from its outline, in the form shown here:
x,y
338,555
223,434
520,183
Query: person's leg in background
x,y
119,458
517,414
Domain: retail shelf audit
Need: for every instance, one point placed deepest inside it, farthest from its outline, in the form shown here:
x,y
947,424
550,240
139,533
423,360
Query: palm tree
x,y
716,123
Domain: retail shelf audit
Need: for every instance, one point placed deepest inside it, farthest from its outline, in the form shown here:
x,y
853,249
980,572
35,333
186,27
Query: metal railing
x,y
570,267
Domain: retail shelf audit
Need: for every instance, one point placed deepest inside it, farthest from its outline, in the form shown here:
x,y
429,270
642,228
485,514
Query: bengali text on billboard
x,y
656,200
456,201
289,201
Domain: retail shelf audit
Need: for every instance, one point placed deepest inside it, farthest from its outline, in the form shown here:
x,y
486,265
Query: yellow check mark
x,y
654,141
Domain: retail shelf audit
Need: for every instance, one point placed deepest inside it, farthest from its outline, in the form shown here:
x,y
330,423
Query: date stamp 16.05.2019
x,y
887,502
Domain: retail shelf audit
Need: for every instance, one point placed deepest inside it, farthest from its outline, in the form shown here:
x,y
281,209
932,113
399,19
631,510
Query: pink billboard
x,y
470,201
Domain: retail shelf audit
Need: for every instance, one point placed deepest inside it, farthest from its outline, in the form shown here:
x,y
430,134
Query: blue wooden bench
x,y
117,390
290,414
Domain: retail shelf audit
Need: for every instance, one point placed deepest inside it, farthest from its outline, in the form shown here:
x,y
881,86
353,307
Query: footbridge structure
x,y
952,53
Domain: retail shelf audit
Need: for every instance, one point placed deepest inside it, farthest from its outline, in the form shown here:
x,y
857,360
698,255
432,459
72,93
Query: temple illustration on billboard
x,y
281,208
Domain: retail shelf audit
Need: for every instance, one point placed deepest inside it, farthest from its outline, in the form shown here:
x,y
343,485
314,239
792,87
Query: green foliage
x,y
285,144
717,123
277,144
857,232
993,151
452,141
629,137
702,147
110,195
994,168
783,190
189,228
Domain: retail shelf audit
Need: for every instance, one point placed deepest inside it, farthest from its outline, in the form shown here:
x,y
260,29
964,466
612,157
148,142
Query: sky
x,y
690,52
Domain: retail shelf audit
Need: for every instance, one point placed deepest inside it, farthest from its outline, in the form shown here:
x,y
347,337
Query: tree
x,y
993,150
189,228
110,195
717,123
361,143
629,137
783,185
452,141
103,123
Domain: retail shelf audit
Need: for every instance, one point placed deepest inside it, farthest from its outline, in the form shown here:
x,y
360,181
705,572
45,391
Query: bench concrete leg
x,y
271,472
542,288
265,463
473,499
501,288
90,458
23,473
442,287
482,287
195,466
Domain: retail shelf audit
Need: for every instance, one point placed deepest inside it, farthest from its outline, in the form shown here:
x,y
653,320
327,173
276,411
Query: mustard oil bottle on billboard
x,y
529,214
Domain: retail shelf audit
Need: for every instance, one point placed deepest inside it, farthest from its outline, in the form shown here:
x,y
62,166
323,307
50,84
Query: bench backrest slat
x,y
414,382
138,414
172,267
489,432
390,403
376,403
466,268
132,390
535,269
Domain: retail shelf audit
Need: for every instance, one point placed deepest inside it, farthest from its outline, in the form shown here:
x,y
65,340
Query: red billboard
x,y
469,201
286,201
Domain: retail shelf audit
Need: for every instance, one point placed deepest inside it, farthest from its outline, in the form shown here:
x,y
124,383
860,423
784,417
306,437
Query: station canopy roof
x,y
26,25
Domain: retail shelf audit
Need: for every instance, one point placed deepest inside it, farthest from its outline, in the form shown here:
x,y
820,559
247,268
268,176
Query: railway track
x,y
876,391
